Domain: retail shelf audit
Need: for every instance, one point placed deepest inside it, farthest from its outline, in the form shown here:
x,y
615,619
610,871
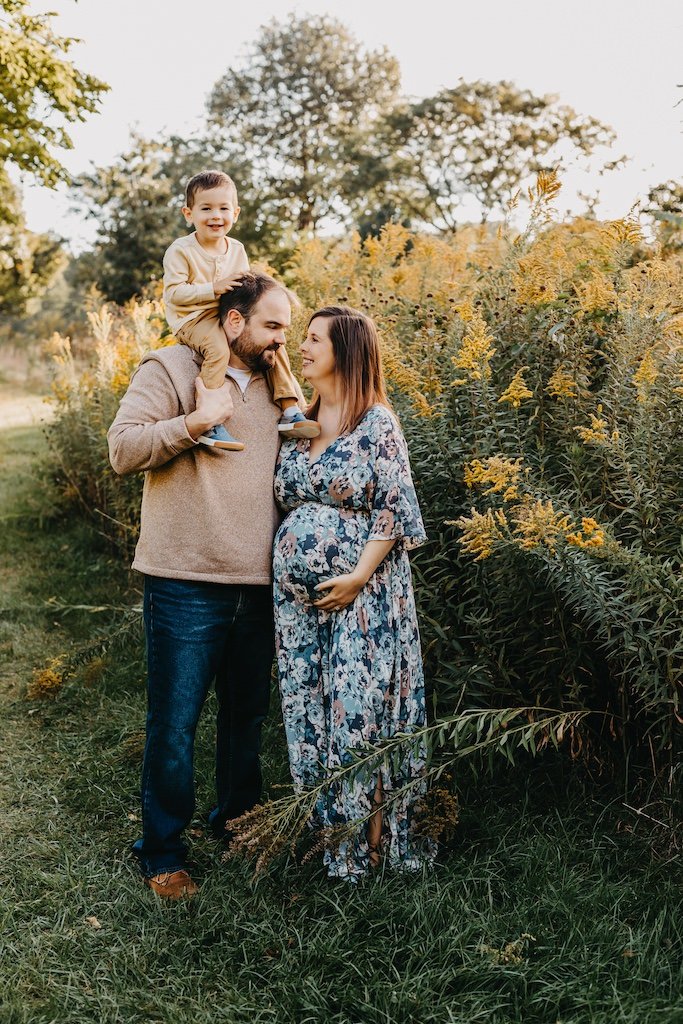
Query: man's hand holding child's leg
x,y
205,424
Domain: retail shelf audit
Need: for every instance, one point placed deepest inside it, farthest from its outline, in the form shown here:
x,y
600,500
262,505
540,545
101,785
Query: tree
x,y
306,99
137,208
41,92
666,207
28,261
480,139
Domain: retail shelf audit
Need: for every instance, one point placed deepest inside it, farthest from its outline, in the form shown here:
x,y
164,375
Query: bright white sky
x,y
618,60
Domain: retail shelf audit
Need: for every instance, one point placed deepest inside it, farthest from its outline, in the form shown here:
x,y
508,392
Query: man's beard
x,y
256,358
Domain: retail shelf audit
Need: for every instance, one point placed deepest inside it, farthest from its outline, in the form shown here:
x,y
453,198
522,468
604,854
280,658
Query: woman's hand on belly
x,y
342,590
339,591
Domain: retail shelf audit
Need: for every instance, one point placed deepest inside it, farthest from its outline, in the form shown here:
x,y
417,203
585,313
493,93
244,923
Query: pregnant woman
x,y
348,646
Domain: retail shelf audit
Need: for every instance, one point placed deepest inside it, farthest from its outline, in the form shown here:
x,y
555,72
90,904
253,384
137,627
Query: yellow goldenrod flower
x,y
481,532
542,271
674,325
597,433
497,473
404,377
102,324
537,522
547,188
66,376
390,244
516,391
652,289
475,352
645,376
513,203
623,231
465,311
589,536
46,682
562,384
596,294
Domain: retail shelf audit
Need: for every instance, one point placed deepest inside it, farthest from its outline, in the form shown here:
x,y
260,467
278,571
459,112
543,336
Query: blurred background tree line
x,y
314,129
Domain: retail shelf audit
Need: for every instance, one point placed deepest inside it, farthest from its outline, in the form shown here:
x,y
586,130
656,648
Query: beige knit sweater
x,y
189,274
206,514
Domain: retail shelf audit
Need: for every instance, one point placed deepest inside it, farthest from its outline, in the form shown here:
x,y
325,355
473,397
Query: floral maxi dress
x,y
352,677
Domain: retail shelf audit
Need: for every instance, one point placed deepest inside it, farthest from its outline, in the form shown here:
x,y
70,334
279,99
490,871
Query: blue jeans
x,y
197,632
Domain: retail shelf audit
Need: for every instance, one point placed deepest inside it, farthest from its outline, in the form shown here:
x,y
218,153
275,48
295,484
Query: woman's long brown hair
x,y
358,362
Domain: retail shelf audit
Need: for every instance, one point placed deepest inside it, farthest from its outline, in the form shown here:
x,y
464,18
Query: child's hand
x,y
214,405
226,284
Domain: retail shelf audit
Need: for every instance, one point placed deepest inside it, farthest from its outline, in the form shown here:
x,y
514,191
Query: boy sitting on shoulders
x,y
198,269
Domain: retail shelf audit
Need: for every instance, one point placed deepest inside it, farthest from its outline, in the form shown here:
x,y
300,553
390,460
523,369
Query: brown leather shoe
x,y
172,885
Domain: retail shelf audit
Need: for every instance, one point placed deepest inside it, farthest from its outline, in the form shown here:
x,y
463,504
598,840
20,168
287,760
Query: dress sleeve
x,y
394,512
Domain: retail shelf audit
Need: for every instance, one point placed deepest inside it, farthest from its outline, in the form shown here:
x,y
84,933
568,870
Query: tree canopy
x,y
316,133
28,260
41,92
307,96
666,208
133,203
481,140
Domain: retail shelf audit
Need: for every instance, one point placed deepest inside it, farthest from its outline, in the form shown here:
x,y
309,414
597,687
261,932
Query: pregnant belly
x,y
314,543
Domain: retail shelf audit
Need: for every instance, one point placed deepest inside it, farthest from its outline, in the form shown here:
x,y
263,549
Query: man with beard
x,y
206,529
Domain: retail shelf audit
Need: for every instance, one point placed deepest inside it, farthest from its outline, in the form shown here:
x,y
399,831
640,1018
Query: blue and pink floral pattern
x,y
352,677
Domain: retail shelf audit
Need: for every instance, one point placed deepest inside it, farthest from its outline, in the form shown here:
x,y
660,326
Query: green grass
x,y
540,855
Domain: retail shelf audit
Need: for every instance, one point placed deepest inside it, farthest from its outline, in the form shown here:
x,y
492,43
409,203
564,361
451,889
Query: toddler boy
x,y
198,269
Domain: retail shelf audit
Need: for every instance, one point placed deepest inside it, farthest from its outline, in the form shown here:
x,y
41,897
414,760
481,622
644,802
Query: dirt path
x,y
21,408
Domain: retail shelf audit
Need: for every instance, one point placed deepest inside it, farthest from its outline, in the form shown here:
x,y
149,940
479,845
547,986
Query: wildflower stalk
x,y
278,825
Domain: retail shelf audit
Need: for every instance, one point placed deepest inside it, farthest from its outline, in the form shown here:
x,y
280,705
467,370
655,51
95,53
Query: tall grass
x,y
547,906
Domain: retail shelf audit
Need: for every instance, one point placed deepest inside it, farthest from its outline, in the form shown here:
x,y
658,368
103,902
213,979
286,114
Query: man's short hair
x,y
205,180
246,295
